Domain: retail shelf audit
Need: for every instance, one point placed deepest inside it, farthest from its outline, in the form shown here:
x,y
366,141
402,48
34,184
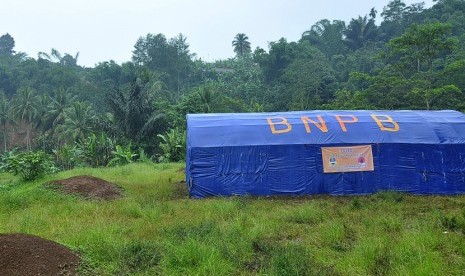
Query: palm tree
x,y
359,31
327,36
76,125
209,97
241,45
56,109
134,114
26,108
56,56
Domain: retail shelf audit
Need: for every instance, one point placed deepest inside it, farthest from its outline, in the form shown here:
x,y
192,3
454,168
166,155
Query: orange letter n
x,y
283,121
385,119
321,125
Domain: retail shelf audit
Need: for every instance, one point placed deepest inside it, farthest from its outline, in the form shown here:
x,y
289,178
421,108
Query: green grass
x,y
157,229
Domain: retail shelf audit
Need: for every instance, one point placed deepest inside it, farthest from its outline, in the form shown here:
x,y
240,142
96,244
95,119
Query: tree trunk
x,y
4,138
28,144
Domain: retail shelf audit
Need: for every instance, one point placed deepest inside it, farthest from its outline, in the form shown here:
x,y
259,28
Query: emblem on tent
x,y
332,160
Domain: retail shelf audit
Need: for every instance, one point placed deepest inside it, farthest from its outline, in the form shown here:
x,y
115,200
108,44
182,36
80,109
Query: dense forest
x,y
111,113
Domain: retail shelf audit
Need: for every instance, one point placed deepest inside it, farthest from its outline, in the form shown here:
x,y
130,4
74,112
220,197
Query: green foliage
x,y
327,36
173,145
143,157
68,157
28,165
134,114
7,44
359,31
122,156
77,122
421,44
241,45
453,222
413,59
97,150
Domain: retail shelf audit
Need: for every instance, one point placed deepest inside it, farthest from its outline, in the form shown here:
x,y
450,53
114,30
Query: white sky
x,y
103,30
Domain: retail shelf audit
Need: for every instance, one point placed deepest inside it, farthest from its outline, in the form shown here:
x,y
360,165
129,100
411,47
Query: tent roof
x,y
325,127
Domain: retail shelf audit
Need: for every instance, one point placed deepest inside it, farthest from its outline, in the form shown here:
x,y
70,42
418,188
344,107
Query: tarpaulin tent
x,y
325,152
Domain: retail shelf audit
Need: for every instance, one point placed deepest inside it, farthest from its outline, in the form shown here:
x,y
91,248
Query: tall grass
x,y
156,229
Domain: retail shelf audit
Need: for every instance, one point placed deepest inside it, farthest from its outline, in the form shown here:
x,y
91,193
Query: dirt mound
x,y
88,187
22,254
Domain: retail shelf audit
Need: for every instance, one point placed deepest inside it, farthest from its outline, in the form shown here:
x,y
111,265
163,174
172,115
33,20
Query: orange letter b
x,y
386,119
282,122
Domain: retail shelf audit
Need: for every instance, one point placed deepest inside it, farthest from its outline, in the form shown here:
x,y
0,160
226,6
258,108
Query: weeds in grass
x,y
356,203
140,256
390,196
156,229
453,222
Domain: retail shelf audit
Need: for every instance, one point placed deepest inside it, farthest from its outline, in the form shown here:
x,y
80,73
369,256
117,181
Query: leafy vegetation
x,y
413,59
157,229
29,165
62,116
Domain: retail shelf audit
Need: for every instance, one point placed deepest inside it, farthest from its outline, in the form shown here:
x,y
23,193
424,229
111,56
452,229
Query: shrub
x,y
29,165
67,157
97,150
173,145
122,156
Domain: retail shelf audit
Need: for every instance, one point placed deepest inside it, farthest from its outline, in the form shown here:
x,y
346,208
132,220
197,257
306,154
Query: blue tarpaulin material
x,y
420,152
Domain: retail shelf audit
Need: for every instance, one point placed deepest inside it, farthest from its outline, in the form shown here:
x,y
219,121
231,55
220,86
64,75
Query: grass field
x,y
157,229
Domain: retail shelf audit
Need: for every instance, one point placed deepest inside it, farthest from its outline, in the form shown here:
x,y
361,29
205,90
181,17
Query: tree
x,y
25,108
153,51
307,82
183,64
134,114
327,36
56,56
397,16
280,55
56,109
170,60
420,45
7,43
4,117
360,31
394,11
241,45
77,124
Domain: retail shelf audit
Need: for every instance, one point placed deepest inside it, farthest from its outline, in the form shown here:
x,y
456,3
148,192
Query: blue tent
x,y
325,152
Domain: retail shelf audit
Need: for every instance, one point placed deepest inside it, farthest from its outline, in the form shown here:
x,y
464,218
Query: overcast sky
x,y
103,30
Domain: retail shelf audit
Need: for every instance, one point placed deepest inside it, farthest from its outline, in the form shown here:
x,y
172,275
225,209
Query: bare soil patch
x,y
87,186
22,254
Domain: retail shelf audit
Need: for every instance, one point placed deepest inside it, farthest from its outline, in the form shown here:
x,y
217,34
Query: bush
x,y
29,165
173,145
97,150
68,157
122,156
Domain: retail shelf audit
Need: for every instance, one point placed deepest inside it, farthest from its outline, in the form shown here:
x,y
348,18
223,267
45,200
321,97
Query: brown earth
x,y
87,186
26,255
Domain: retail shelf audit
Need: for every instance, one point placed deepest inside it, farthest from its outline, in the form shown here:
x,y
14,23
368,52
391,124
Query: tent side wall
x,y
298,170
421,152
